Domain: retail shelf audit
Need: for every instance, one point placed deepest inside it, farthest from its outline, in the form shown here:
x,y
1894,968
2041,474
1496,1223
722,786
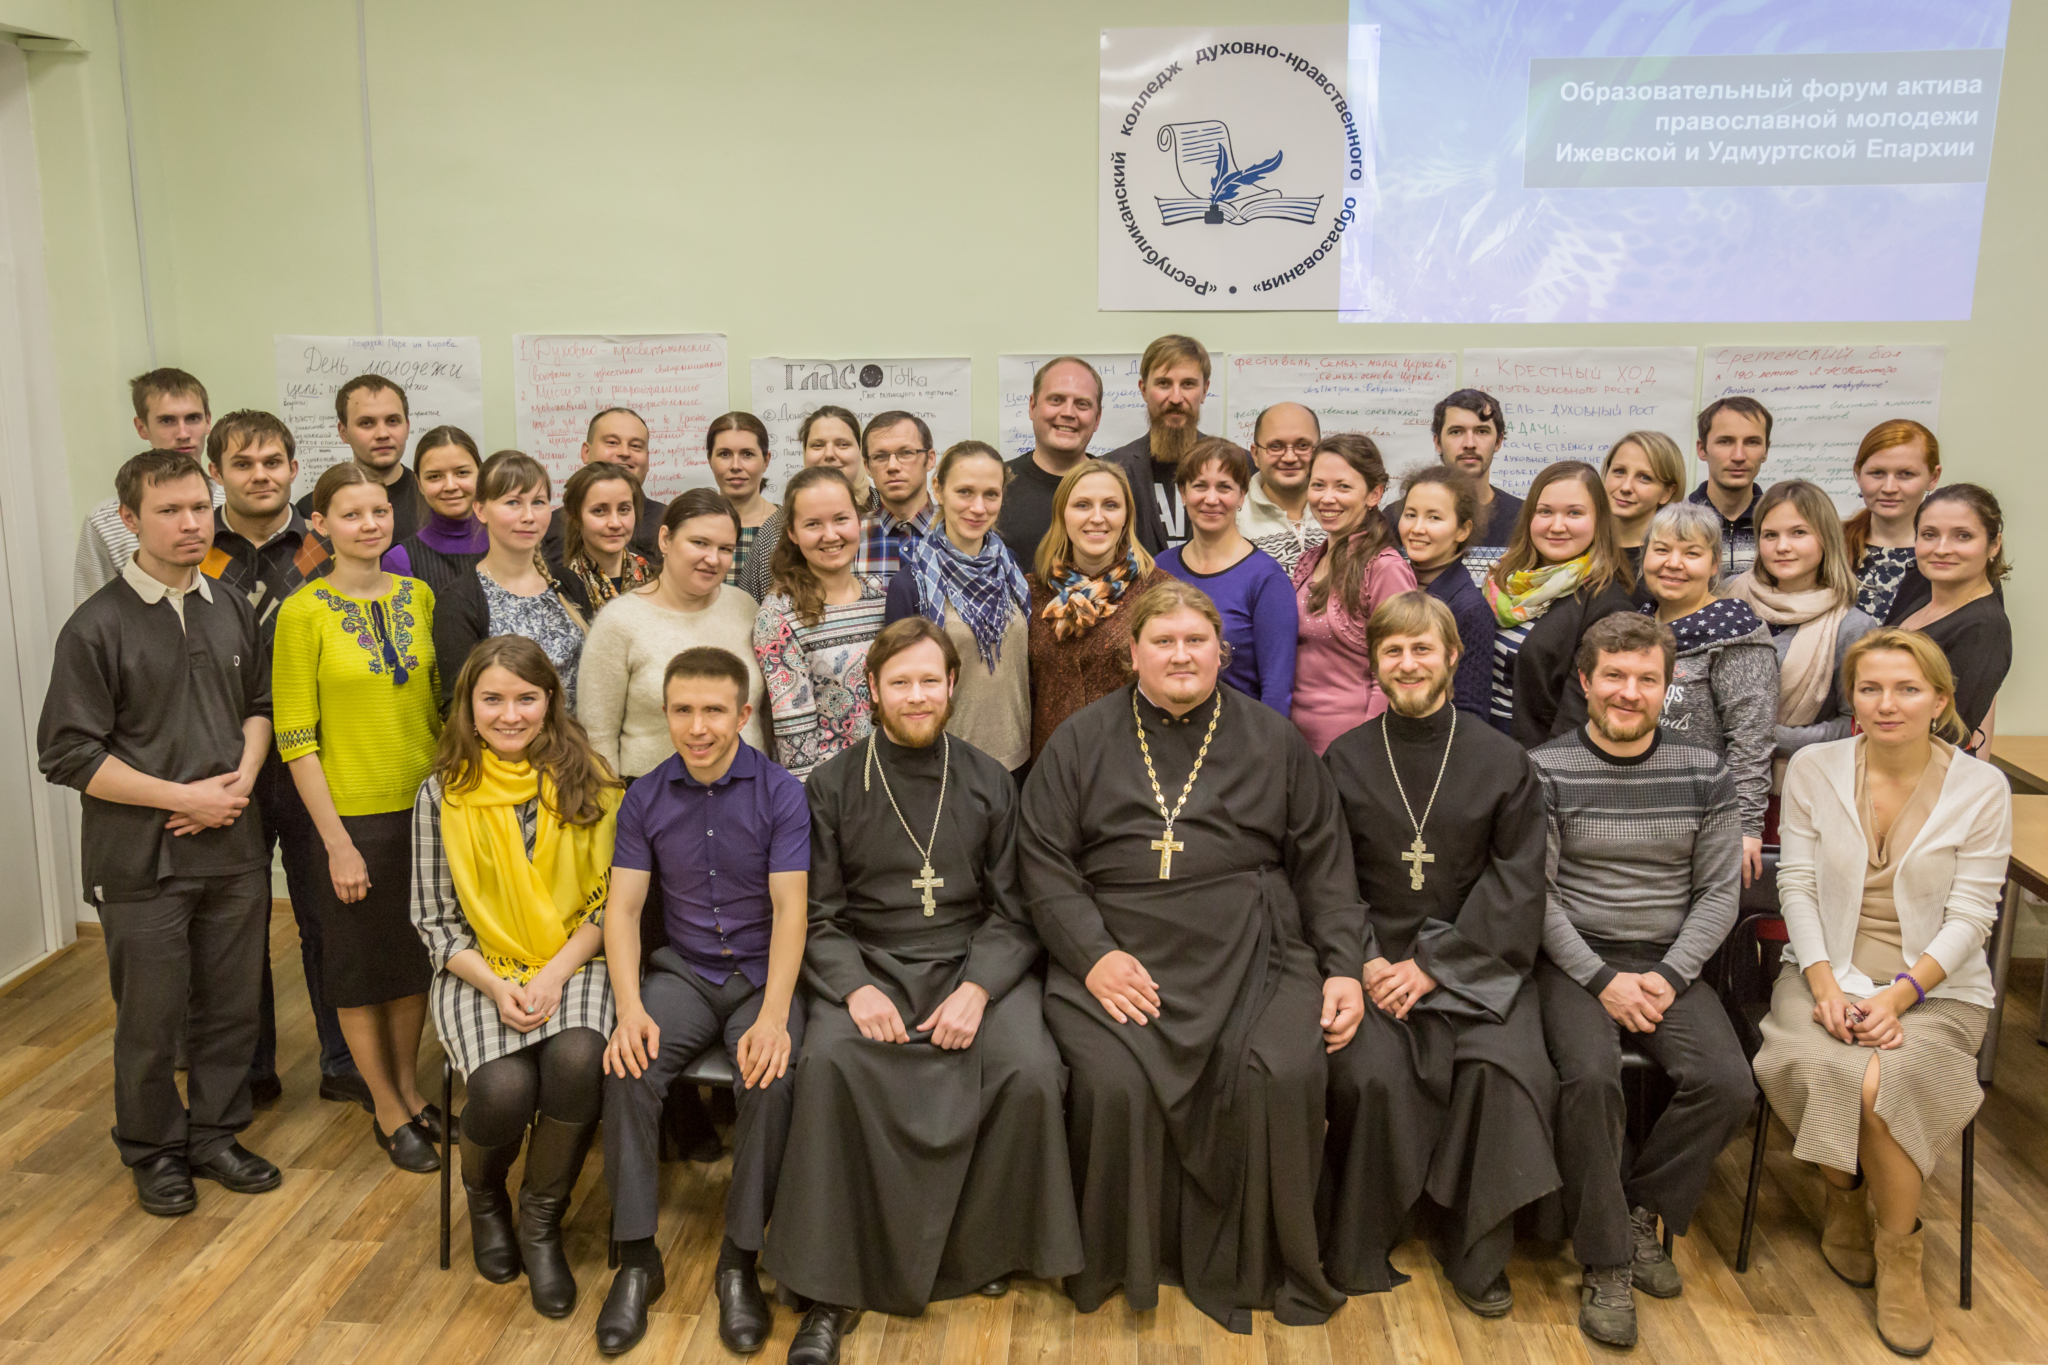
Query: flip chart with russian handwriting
x,y
1387,397
1824,399
1575,402
1123,401
675,382
787,389
442,378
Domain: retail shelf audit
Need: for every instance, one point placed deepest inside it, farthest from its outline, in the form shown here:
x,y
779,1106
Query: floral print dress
x,y
817,675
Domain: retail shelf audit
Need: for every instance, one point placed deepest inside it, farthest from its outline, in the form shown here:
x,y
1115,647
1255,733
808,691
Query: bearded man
x,y
1174,378
928,1154
1645,867
1186,862
1441,1108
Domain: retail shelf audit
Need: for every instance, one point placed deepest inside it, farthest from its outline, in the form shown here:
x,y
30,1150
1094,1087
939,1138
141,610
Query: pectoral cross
x,y
1167,846
924,882
1415,857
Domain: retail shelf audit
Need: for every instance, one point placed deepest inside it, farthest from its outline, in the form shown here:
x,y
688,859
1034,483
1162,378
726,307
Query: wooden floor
x,y
339,1264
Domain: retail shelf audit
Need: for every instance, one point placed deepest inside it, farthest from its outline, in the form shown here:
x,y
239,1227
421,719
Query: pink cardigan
x,y
1334,690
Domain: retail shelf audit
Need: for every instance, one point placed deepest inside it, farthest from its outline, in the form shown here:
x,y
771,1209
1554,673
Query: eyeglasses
x,y
896,457
1279,448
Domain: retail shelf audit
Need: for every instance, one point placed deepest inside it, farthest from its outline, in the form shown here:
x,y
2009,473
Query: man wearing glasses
x,y
897,447
1274,514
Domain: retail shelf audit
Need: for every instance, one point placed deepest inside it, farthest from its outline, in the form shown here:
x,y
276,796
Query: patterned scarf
x,y
1080,601
634,570
1530,592
981,586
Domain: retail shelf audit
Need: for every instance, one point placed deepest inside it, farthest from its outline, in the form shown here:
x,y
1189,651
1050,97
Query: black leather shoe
x,y
349,1088
994,1289
240,1170
431,1120
410,1148
163,1186
744,1321
623,1319
1497,1302
818,1336
265,1090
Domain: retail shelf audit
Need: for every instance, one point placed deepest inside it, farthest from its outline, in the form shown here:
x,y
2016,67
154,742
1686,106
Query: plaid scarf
x,y
981,586
1080,600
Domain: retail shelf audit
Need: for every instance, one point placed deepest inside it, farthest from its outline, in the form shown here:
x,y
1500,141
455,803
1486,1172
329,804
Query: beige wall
x,y
806,178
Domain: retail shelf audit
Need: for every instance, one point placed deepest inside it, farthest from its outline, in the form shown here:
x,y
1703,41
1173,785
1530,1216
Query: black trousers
x,y
288,828
1696,1047
692,1014
188,961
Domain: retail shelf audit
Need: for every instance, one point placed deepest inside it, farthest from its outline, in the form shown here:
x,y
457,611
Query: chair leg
x,y
1756,1181
1969,1205
611,1255
447,1126
1667,1241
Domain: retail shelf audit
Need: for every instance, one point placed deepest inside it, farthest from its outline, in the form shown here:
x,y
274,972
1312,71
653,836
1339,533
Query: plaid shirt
x,y
266,574
881,544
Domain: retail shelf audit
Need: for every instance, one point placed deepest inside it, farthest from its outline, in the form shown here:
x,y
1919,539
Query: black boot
x,y
818,1336
492,1240
554,1158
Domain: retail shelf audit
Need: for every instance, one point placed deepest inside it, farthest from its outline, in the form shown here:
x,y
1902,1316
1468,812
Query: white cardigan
x,y
1950,879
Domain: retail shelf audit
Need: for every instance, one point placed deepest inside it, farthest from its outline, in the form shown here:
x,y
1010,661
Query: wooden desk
x,y
2024,759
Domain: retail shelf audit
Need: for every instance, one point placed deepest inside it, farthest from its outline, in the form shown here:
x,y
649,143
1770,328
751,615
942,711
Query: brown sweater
x,y
1067,675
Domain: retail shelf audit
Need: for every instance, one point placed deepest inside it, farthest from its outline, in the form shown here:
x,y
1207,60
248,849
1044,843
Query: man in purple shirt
x,y
726,834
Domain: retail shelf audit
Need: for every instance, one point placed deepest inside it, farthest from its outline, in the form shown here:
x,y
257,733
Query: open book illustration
x,y
1218,190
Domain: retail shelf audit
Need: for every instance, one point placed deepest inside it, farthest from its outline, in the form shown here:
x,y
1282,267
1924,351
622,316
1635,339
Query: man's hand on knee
x,y
1632,1003
634,1045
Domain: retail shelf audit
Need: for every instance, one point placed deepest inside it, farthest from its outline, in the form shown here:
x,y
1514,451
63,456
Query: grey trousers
x,y
1696,1047
692,1014
188,961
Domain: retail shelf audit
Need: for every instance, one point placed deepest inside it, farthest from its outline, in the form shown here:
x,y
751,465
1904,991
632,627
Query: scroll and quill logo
x,y
1218,190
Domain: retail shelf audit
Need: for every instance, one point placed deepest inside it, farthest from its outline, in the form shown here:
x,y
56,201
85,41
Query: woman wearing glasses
x,y
355,688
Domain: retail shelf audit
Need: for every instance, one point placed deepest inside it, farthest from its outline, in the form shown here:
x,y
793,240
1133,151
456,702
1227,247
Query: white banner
x,y
1231,166
442,378
786,390
1387,397
1123,401
1575,402
1824,400
675,382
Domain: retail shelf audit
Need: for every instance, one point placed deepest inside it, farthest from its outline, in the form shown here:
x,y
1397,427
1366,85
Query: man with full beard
x,y
1447,1092
1174,372
1645,865
928,1157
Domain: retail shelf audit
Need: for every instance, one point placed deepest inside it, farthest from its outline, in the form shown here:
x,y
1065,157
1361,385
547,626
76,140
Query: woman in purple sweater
x,y
451,540
1248,586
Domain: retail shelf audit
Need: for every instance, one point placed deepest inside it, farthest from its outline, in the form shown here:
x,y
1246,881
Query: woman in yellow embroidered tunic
x,y
512,853
354,689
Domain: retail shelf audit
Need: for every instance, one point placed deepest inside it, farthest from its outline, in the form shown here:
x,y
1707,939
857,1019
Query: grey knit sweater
x,y
1724,698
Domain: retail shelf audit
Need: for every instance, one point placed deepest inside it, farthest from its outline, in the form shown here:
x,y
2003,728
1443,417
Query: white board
x,y
1575,402
1123,400
442,378
1387,397
675,382
786,389
1824,400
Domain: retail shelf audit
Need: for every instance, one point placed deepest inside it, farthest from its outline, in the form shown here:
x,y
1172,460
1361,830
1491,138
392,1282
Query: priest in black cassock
x,y
927,1155
1186,862
1442,1105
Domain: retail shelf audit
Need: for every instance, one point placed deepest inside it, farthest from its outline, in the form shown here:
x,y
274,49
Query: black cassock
x,y
1196,1139
915,1173
1455,1102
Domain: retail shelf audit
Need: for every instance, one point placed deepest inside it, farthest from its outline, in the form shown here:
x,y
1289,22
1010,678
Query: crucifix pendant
x,y
924,882
1167,846
1415,857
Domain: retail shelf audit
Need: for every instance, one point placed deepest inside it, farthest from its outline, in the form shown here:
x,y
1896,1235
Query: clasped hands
x,y
1876,1025
210,803
1122,986
1396,987
952,1025
1637,1000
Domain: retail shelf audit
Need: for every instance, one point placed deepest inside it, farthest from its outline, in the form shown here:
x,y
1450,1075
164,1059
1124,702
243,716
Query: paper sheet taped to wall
x,y
787,389
676,382
1824,399
1575,402
1123,415
1387,397
442,378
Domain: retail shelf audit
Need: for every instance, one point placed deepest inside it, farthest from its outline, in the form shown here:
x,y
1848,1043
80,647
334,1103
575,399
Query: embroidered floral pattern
x,y
355,622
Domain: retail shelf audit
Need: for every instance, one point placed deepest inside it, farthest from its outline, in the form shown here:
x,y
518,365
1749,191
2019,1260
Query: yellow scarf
x,y
523,910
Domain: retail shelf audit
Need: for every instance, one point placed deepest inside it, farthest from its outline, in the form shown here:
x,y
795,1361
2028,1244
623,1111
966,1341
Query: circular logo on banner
x,y
870,376
1227,174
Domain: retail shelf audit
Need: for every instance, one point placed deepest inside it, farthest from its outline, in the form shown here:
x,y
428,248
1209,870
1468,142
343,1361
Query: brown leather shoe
x,y
1904,1321
1846,1238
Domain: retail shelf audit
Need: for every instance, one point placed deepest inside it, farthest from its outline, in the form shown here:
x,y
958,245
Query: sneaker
x,y
1653,1272
1607,1310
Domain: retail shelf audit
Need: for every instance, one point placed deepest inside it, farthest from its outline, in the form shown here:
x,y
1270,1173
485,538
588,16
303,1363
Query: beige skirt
x,y
1927,1087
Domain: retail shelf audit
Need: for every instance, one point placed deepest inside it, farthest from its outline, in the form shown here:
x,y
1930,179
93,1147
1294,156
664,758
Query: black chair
x,y
1646,1091
1999,951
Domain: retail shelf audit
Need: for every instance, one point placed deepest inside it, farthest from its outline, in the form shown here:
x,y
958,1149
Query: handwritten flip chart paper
x,y
787,389
676,383
1123,400
442,378
1387,397
1824,400
1575,402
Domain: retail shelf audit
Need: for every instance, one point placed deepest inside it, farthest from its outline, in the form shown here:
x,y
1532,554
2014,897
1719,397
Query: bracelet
x,y
1907,977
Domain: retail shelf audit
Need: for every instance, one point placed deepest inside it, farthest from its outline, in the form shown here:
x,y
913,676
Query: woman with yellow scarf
x,y
512,854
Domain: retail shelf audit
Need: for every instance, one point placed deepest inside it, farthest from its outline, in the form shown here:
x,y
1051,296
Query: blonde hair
x,y
1056,550
1168,596
1926,656
1667,462
1837,571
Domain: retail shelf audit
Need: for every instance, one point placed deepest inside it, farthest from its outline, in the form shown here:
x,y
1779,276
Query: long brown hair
x,y
1609,562
1351,555
1900,431
561,752
1837,571
789,571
